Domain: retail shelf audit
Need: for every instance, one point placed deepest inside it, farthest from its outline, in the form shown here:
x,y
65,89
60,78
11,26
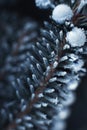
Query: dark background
x,y
78,118
25,8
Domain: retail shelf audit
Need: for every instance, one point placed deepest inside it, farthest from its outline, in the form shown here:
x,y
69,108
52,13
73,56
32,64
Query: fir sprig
x,y
42,75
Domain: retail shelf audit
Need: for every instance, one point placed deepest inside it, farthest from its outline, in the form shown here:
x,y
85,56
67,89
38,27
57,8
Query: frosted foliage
x,y
72,1
70,98
76,37
59,125
73,85
76,67
64,114
82,4
42,3
61,13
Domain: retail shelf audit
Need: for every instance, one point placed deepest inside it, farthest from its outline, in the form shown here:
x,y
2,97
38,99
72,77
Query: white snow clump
x,y
61,13
43,3
76,37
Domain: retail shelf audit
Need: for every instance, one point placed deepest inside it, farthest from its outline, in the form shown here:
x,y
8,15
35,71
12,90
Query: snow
x,y
55,64
76,37
64,114
73,85
81,5
61,13
43,3
75,66
58,124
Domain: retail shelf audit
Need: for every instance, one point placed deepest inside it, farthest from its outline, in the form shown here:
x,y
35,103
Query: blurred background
x,y
78,118
24,8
